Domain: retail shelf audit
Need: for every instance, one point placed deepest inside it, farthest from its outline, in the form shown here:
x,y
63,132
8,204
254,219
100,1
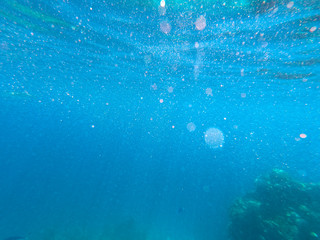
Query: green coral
x,y
280,208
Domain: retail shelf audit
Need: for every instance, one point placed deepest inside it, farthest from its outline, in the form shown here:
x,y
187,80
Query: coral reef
x,y
280,208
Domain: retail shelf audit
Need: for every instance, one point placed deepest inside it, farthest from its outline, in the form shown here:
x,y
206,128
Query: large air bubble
x,y
214,138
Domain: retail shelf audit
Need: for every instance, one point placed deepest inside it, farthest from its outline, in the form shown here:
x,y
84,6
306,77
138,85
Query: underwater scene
x,y
159,119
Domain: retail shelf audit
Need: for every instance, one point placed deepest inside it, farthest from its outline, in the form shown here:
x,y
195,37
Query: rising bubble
x,y
214,138
165,27
200,23
191,126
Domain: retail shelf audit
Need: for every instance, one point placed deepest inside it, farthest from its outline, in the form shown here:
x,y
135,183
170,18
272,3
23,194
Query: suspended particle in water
x,y
214,138
162,7
313,29
302,173
303,135
290,4
154,86
147,59
191,126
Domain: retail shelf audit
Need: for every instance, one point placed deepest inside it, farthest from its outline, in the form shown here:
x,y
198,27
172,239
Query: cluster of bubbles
x,y
214,138
165,26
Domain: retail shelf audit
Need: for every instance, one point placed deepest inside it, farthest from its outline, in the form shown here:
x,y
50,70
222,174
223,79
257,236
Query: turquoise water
x,y
145,120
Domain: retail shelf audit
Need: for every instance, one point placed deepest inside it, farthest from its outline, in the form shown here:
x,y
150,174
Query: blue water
x,y
104,108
